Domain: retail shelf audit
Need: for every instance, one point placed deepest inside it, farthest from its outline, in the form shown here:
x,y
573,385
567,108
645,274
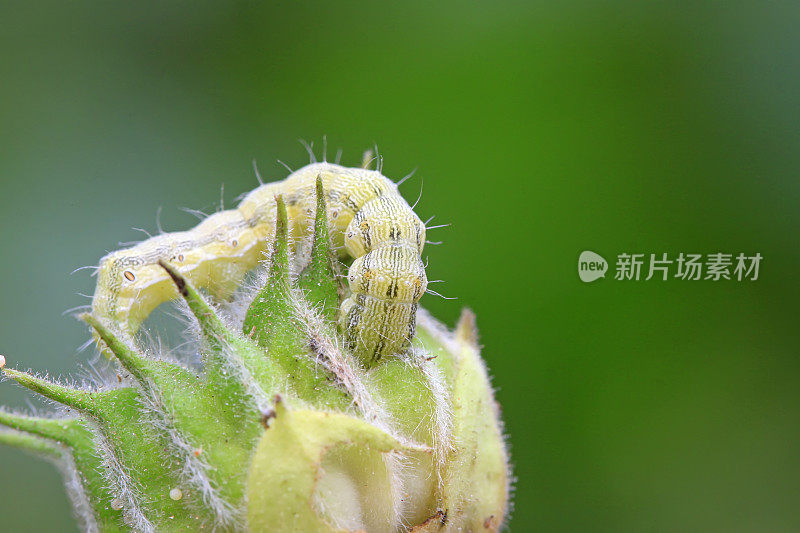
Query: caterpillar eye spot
x,y
335,213
180,257
234,243
129,275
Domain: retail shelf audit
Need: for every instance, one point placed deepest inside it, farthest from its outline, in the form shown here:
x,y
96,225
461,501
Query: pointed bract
x,y
269,319
318,280
77,398
30,443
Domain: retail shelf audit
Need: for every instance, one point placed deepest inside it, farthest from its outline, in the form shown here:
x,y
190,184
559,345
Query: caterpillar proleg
x,y
369,222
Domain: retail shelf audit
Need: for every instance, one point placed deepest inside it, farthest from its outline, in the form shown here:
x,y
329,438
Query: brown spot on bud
x,y
266,416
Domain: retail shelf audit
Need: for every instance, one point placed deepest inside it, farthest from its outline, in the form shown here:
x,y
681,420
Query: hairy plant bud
x,y
317,406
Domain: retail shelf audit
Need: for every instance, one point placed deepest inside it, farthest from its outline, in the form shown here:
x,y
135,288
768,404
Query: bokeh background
x,y
540,129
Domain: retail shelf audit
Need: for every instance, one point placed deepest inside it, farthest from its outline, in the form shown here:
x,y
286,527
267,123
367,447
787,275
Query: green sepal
x,y
57,429
80,399
142,449
272,321
220,423
269,319
89,474
475,480
29,443
318,280
224,347
408,396
137,444
78,441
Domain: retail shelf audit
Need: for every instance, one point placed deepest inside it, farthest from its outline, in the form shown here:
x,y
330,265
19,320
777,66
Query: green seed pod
x,y
318,405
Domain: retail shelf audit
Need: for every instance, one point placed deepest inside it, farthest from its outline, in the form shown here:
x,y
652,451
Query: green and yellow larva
x,y
369,222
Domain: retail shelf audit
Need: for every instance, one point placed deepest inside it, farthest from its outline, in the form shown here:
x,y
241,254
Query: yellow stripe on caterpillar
x,y
369,221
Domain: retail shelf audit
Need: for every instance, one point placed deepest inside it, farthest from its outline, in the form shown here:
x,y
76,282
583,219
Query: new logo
x,y
591,266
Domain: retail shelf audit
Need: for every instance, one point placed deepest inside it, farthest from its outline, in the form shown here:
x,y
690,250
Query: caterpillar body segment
x,y
369,222
214,255
379,317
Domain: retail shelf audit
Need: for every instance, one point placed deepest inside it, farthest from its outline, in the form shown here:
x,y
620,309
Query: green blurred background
x,y
540,130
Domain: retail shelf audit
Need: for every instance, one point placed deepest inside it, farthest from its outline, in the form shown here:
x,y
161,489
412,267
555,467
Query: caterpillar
x,y
369,222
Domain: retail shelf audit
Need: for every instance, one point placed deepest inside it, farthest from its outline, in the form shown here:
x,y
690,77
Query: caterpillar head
x,y
384,220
